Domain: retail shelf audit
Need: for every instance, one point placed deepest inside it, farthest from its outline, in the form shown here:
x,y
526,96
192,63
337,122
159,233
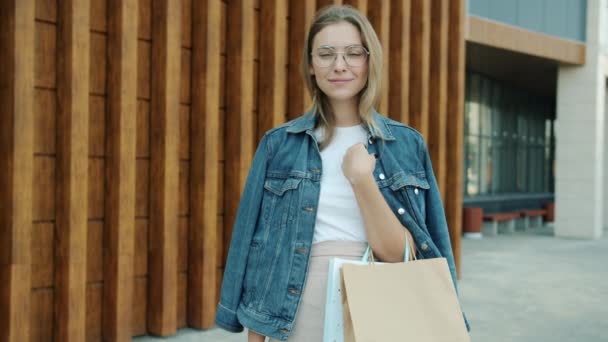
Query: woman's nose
x,y
340,63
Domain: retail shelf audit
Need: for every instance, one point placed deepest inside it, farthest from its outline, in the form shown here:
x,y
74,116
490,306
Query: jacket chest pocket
x,y
411,190
279,201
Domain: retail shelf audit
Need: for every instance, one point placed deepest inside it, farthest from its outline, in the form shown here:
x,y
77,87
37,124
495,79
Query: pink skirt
x,y
310,317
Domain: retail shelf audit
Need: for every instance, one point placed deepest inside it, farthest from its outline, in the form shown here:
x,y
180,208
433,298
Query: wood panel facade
x,y
127,131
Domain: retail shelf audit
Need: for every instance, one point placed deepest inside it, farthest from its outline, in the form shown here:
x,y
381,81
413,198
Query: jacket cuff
x,y
227,319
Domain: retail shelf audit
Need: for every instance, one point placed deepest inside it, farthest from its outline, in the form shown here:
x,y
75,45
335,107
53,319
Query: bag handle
x,y
406,255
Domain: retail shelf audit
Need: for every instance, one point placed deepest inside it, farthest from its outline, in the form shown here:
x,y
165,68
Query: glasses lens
x,y
355,55
325,57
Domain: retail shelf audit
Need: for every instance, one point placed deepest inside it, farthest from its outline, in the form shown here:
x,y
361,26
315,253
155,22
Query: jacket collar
x,y
307,123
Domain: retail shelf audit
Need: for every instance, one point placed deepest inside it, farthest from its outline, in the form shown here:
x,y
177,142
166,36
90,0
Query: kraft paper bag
x,y
409,301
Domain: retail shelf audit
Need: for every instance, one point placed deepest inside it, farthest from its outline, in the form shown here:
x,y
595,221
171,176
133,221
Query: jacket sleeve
x,y
242,234
436,220
435,214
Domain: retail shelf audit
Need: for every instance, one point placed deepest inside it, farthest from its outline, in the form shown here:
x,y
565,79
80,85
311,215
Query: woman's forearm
x,y
385,233
255,337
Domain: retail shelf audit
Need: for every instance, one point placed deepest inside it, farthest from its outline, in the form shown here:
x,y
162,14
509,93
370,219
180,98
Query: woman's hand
x,y
255,337
358,164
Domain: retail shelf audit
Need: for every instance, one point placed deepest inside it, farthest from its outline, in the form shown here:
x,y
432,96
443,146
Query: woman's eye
x,y
326,55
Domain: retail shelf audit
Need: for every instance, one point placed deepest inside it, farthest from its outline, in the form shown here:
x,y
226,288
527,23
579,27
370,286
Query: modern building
x,y
535,118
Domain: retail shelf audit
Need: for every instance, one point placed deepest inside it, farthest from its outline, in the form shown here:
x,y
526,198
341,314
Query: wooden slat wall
x,y
164,167
185,106
455,133
16,166
204,240
99,229
142,169
72,169
44,169
136,152
361,5
420,39
120,170
272,84
239,106
301,14
438,89
379,16
400,61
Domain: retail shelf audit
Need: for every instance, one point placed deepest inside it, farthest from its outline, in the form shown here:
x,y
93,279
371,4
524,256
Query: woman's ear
x,y
311,70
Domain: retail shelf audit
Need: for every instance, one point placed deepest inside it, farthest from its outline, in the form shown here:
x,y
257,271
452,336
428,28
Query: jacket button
x,y
416,191
370,141
401,211
301,250
424,246
283,331
381,176
309,208
293,291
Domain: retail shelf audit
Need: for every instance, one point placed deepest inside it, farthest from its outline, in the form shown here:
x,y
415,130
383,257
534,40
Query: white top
x,y
338,214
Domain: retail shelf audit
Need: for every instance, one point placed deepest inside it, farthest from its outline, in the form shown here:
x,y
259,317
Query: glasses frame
x,y
313,54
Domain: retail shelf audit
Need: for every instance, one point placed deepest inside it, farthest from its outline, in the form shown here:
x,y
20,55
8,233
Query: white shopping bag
x,y
333,328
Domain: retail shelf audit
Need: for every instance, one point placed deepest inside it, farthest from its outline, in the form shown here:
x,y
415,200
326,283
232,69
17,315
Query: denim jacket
x,y
269,252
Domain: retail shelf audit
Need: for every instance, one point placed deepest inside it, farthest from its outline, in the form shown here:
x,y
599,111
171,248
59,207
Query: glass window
x,y
472,165
509,140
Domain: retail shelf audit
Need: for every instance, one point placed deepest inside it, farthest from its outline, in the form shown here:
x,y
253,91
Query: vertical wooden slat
x,y
301,14
438,90
164,167
72,168
272,81
325,3
455,122
361,5
204,241
399,77
120,170
240,106
420,38
16,166
379,16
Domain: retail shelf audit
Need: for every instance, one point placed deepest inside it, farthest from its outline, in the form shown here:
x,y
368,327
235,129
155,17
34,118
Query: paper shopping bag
x,y
409,301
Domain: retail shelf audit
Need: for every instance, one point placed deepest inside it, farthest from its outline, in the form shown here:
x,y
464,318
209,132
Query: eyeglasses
x,y
326,56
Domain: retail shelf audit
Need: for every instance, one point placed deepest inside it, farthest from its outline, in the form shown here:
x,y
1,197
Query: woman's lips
x,y
339,81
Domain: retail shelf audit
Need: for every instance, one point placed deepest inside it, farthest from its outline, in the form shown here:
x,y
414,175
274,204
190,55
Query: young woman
x,y
325,185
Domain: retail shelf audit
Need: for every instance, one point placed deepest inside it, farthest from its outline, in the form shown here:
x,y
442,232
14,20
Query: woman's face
x,y
339,81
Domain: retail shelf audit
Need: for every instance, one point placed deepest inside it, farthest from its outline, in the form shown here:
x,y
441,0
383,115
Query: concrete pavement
x,y
524,287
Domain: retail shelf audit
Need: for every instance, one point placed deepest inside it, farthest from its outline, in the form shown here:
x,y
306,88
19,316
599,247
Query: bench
x,y
532,218
505,222
472,222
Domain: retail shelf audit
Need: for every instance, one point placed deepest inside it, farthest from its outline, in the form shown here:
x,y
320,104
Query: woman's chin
x,y
342,95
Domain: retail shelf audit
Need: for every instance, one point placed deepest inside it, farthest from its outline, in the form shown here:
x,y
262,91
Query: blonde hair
x,y
370,94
